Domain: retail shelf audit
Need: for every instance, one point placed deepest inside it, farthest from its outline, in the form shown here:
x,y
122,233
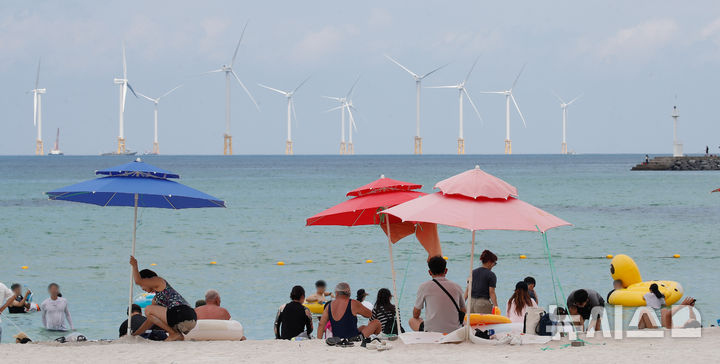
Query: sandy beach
x,y
273,351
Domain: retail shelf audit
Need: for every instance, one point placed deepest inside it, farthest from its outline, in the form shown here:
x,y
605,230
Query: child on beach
x,y
530,281
55,310
169,309
320,295
384,311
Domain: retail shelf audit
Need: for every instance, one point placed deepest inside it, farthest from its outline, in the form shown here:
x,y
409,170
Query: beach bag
x,y
531,319
461,315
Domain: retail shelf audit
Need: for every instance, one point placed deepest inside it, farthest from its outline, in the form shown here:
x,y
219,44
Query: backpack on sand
x,y
531,320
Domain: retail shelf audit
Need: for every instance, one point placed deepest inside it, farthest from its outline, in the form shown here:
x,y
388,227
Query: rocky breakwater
x,y
689,163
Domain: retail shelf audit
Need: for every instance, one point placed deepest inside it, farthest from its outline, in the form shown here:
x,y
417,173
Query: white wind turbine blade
x,y
273,89
403,67
493,92
245,88
433,71
124,96
575,99
300,85
147,97
333,98
352,88
352,118
124,62
292,106
452,86
559,98
169,92
335,108
518,76
35,96
518,109
232,63
473,105
131,89
471,69
213,71
37,78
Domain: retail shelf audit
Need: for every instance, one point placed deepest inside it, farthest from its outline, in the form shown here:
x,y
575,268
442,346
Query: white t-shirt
x,y
5,294
367,304
54,314
652,301
513,316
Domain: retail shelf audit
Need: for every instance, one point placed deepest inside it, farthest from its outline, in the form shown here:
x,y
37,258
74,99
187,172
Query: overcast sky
x,y
632,60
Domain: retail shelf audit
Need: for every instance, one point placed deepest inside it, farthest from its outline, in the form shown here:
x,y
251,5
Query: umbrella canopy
x,y
136,184
718,190
362,210
476,214
384,185
476,183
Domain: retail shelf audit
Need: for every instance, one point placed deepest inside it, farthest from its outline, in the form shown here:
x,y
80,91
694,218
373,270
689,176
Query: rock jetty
x,y
689,163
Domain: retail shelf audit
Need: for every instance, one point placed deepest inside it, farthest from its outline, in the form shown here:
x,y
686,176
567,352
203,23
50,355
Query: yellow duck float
x,y
623,268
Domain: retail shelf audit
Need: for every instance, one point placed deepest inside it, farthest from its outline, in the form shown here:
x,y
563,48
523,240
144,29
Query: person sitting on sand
x,y
654,301
384,311
667,314
585,304
361,295
483,285
20,304
293,319
137,320
519,303
212,310
342,315
55,310
441,298
320,295
530,281
169,310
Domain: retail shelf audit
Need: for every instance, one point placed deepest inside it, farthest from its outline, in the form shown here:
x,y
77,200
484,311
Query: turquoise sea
x,y
647,215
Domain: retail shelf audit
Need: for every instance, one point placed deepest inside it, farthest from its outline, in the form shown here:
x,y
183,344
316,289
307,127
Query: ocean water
x,y
647,215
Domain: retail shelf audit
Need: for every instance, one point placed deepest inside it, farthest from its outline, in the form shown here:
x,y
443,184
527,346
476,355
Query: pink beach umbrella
x,y
475,200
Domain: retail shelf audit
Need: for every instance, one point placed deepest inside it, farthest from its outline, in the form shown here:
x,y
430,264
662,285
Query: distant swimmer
x,y
55,310
169,309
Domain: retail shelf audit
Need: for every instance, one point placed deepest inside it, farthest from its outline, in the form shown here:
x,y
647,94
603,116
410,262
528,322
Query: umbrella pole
x,y
469,289
392,268
132,281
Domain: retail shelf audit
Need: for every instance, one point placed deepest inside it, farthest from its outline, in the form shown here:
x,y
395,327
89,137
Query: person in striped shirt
x,y
384,311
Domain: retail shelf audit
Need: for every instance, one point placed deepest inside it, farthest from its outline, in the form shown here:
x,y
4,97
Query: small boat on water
x,y
56,150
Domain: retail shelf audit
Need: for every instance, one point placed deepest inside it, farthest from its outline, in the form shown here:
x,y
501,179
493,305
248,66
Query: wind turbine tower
x,y
677,147
345,104
509,96
124,86
290,113
37,112
156,101
564,105
228,69
462,92
418,86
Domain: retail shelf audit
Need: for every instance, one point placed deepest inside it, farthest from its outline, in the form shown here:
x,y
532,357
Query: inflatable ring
x,y
487,319
216,330
623,268
144,300
316,308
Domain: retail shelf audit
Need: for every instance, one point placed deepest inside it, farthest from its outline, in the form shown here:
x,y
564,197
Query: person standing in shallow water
x,y
169,309
55,310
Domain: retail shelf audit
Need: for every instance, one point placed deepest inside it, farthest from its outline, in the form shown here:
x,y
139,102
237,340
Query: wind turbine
x,y
418,82
124,86
37,112
156,101
290,113
509,96
345,104
462,91
563,106
228,69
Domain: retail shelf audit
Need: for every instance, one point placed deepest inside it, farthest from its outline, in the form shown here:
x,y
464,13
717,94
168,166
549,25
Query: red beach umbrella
x,y
476,200
718,190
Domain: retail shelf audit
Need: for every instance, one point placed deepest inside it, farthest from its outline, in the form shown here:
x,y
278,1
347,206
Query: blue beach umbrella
x,y
135,184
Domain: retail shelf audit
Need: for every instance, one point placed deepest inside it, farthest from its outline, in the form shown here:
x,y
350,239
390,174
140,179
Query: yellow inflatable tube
x,y
623,268
316,308
487,319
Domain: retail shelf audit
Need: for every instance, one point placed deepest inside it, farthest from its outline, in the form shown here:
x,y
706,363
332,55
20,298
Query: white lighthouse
x,y
677,147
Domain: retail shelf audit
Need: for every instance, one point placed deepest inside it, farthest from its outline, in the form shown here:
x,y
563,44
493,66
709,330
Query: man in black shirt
x,y
586,304
137,320
293,319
